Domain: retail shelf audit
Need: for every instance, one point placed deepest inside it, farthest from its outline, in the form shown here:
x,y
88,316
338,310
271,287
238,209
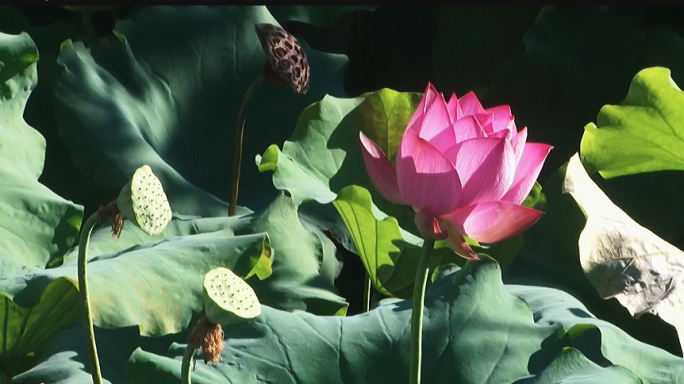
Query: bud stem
x,y
417,304
239,130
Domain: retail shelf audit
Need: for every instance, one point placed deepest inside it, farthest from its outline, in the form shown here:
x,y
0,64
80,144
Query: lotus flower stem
x,y
188,357
90,28
366,293
417,311
239,131
85,300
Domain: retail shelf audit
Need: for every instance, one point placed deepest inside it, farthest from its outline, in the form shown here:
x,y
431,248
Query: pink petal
x,y
416,120
428,226
426,177
380,170
486,168
457,243
470,105
485,120
453,108
493,221
436,125
527,171
518,142
467,128
501,117
501,134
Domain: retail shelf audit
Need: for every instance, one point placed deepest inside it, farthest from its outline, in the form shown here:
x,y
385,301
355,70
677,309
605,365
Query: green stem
x,y
186,370
85,300
90,28
239,130
417,311
366,293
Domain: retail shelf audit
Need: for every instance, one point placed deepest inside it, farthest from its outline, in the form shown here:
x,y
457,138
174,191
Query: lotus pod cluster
x,y
228,298
143,201
286,56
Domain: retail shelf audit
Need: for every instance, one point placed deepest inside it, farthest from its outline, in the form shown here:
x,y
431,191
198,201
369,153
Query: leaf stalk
x,y
85,299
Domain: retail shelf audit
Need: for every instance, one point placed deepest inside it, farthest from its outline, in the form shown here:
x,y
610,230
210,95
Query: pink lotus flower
x,y
464,169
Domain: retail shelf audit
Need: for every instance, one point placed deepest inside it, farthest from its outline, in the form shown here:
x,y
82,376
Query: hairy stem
x,y
417,304
239,131
85,300
366,293
186,369
90,28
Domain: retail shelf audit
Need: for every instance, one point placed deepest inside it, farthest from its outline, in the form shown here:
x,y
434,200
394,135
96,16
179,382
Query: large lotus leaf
x,y
624,260
156,286
63,359
578,59
167,96
25,328
102,241
314,14
644,133
550,258
473,42
35,224
304,263
466,339
572,364
599,340
59,174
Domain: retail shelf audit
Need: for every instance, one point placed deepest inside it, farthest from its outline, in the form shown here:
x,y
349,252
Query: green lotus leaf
x,y
466,339
156,286
35,224
167,96
644,133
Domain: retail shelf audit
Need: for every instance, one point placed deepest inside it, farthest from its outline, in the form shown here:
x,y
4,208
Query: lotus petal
x,y
470,105
501,117
457,242
486,168
467,128
427,179
492,221
527,170
380,170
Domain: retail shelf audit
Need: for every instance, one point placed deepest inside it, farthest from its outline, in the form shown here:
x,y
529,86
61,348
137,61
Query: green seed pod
x,y
227,298
143,201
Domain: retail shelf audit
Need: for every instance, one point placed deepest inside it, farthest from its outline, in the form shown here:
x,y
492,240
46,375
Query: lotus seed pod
x,y
227,298
286,56
143,201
